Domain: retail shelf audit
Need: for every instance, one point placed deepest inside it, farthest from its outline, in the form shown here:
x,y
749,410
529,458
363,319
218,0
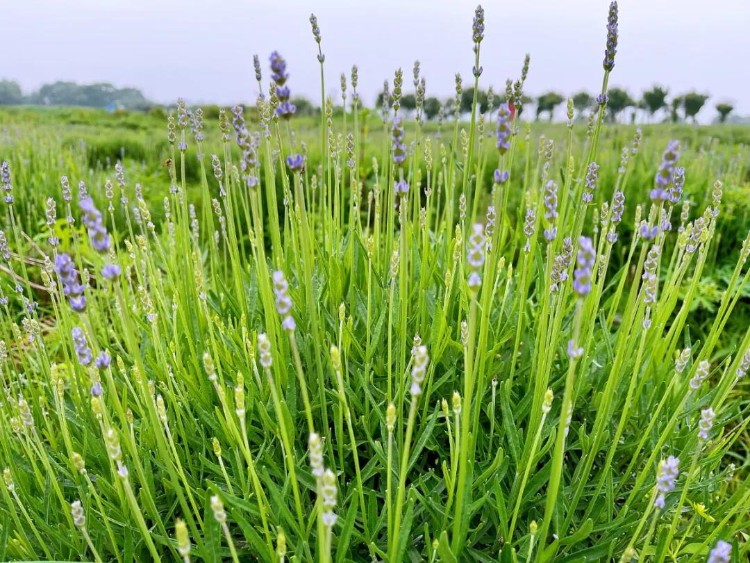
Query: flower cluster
x,y
475,255
501,177
706,423
611,50
550,209
283,301
81,346
503,128
420,359
529,227
5,180
477,27
279,75
92,220
618,208
744,366
72,287
669,469
591,178
701,374
664,180
328,492
295,162
249,161
582,274
561,264
721,553
397,135
650,281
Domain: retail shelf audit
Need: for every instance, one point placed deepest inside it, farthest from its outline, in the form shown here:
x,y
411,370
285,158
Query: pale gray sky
x,y
202,50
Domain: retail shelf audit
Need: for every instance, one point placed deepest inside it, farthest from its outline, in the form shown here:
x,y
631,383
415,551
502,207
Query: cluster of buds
x,y
669,469
420,359
283,301
475,256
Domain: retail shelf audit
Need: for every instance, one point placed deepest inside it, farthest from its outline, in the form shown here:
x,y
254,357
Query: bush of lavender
x,y
393,342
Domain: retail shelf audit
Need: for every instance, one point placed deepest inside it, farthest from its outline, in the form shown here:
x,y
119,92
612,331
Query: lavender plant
x,y
370,339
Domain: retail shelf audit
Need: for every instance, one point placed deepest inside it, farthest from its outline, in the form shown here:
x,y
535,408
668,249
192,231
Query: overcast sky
x,y
202,50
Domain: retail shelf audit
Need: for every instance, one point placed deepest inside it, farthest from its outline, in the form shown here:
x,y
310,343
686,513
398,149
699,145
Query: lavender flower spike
x,y
582,274
503,128
81,346
591,179
397,135
296,162
721,553
706,423
92,219
664,180
283,301
279,75
72,288
550,213
612,33
669,469
477,27
7,185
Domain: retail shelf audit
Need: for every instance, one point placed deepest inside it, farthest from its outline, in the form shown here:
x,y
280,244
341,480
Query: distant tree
x,y
619,99
98,95
10,93
582,101
654,99
409,102
675,105
525,100
724,110
431,107
304,106
692,103
548,102
467,99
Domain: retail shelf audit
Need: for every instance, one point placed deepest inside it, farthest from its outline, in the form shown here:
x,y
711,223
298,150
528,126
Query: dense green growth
x,y
354,338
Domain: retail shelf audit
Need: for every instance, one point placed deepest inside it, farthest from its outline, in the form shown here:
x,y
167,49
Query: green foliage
x,y
655,99
692,102
724,110
10,93
619,100
547,103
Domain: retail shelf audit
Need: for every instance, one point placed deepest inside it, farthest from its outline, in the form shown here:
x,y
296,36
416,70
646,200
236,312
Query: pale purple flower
x,y
501,177
664,180
582,274
591,178
72,287
477,27
111,271
103,360
296,162
611,49
701,374
678,181
706,423
721,553
5,180
283,300
744,366
94,223
401,187
574,352
550,209
97,390
81,346
503,128
397,136
669,469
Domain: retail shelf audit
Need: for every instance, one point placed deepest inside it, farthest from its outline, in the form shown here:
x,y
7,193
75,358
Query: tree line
x,y
61,93
655,102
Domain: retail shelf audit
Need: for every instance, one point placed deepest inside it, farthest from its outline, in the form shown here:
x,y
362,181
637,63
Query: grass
x,y
320,367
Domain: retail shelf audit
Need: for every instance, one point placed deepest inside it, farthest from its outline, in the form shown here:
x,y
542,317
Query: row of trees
x,y
654,102
99,95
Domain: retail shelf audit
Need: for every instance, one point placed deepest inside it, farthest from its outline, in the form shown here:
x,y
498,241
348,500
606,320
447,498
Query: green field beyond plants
x,y
245,334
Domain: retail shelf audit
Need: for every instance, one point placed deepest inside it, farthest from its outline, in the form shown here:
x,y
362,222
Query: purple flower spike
x,y
92,219
664,180
503,128
401,187
721,553
399,148
103,360
584,271
72,288
278,69
591,179
295,162
501,177
5,180
669,469
97,390
611,49
111,271
81,346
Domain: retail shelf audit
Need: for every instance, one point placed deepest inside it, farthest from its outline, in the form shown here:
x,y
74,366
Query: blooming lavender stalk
x,y
669,469
283,301
249,161
591,178
550,210
678,181
503,128
501,177
81,346
701,374
328,493
706,423
744,366
92,219
5,179
72,288
295,162
420,359
475,256
397,135
561,264
529,227
611,50
286,109
721,553
618,208
582,274
664,179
